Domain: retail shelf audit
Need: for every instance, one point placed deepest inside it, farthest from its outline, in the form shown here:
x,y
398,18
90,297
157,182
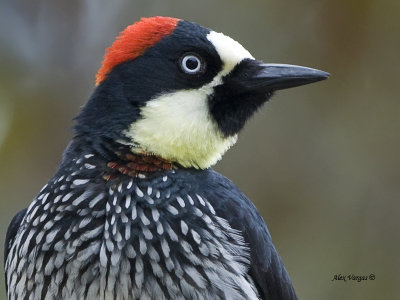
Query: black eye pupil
x,y
192,63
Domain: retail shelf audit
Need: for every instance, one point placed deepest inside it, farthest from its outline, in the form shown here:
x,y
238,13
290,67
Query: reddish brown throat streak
x,y
134,165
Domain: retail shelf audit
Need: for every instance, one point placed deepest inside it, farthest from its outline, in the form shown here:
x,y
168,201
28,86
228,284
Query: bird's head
x,y
182,92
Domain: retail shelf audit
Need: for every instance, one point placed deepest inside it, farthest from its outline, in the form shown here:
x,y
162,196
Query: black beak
x,y
255,75
250,84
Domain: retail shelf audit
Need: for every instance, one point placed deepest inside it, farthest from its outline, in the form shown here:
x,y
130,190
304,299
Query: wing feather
x,y
11,233
266,267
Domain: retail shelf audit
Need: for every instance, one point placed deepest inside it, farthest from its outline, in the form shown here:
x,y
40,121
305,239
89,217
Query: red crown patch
x,y
133,42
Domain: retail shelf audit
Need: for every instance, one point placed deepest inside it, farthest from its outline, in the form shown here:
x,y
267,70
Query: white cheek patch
x,y
178,127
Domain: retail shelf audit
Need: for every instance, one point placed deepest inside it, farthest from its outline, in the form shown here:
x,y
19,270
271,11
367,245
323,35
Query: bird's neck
x,y
115,159
135,165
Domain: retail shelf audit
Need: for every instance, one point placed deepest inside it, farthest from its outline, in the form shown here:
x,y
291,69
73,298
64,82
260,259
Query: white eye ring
x,y
191,64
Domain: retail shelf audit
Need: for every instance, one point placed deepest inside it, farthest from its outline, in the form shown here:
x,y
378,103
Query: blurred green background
x,y
320,162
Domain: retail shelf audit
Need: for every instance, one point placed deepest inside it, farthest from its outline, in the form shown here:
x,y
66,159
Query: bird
x,y
135,209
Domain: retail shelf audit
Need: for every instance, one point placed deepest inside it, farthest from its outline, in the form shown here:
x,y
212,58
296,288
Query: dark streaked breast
x,y
150,237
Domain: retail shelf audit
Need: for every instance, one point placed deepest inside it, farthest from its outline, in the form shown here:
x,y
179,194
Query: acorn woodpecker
x,y
135,210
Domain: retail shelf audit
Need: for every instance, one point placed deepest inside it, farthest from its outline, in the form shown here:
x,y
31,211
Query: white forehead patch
x,y
229,50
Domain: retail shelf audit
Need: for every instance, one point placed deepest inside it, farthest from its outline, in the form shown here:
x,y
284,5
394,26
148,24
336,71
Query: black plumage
x,y
227,202
135,210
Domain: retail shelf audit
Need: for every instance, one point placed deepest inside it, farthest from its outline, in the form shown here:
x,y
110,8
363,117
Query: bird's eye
x,y
191,63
